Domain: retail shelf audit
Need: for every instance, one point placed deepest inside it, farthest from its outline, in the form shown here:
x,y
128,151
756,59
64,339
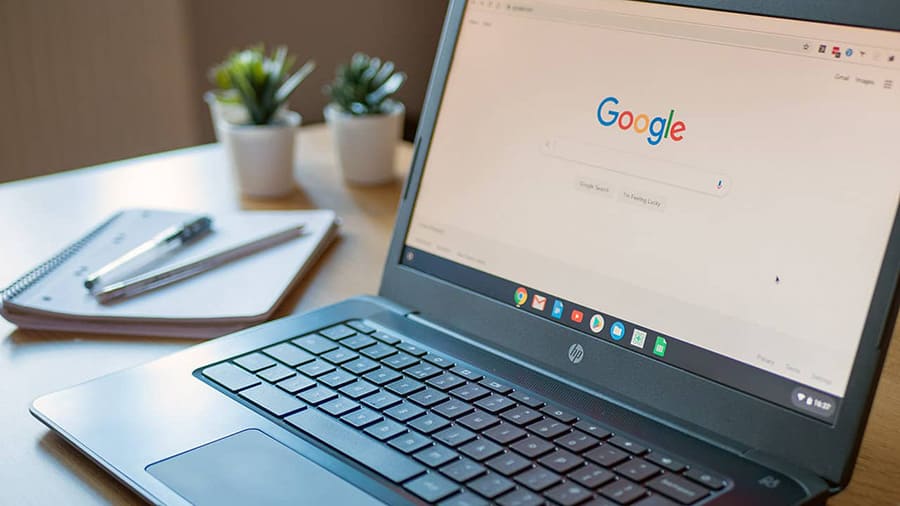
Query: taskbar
x,y
635,338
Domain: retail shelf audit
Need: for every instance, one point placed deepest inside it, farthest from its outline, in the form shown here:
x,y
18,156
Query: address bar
x,y
657,26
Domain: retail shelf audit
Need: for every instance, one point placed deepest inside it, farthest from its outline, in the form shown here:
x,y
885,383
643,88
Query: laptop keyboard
x,y
447,432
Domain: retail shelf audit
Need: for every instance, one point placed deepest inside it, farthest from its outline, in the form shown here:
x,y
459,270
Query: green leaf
x,y
288,87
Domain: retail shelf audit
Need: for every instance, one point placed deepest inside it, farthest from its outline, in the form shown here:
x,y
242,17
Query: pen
x,y
169,239
168,275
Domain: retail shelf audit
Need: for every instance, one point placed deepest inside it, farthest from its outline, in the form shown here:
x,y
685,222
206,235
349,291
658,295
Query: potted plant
x,y
365,122
252,120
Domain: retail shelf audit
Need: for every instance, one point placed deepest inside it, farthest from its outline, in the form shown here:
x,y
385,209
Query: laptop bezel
x,y
677,397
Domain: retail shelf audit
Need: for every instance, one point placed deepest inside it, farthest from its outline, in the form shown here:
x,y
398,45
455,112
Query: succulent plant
x,y
261,83
364,85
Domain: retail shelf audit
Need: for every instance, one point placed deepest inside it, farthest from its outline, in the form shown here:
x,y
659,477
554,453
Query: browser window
x,y
709,189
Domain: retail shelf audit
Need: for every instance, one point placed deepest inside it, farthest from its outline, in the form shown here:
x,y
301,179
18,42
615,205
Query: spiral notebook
x,y
226,299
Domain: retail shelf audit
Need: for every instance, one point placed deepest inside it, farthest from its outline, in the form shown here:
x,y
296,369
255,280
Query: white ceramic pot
x,y
262,156
365,145
225,111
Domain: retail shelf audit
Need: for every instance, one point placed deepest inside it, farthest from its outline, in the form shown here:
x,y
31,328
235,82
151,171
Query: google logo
x,y
659,128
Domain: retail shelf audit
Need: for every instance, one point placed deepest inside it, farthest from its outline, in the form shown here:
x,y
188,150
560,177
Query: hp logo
x,y
576,353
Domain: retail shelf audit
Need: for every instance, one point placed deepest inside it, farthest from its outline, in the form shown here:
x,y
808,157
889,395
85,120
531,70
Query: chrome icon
x,y
597,324
521,296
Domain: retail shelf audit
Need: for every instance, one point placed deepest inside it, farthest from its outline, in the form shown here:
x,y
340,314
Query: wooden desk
x,y
37,467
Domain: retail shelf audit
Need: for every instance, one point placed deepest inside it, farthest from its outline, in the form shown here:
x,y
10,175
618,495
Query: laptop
x,y
647,255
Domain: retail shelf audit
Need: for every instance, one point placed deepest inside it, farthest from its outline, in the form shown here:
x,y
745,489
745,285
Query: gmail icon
x,y
538,302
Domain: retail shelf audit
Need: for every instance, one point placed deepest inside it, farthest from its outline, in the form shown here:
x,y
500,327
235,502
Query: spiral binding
x,y
20,285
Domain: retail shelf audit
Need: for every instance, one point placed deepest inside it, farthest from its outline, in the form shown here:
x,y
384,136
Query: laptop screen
x,y
707,189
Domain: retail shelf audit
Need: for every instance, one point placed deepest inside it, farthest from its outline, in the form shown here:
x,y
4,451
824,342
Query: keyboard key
x,y
410,442
470,392
496,385
467,372
538,479
386,338
361,365
602,501
521,497
623,491
411,349
423,371
606,455
491,485
428,397
381,400
339,406
231,376
592,429
678,488
358,389
404,411
360,327
315,344
706,478
439,360
388,462
568,494
653,500
548,428
289,354
296,384
337,378
405,386
337,332
505,433
465,499
254,362
463,470
509,464
561,461
454,436
358,342
362,418
436,456
665,461
478,421
480,449
272,399
495,404
317,395
400,361
576,441
378,351
446,381
317,368
382,376
385,430
559,413
591,476
532,447
532,401
340,355
521,415
432,487
628,445
277,373
637,469
453,408
429,423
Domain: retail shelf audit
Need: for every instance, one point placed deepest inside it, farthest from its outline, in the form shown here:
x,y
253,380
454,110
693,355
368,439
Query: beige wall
x,y
89,81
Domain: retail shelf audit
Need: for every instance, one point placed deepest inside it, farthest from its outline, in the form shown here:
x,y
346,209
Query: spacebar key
x,y
390,463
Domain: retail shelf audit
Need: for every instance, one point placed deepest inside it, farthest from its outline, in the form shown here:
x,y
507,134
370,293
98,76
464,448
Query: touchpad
x,y
252,468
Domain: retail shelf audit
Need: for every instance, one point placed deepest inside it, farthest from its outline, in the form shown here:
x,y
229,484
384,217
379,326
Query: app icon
x,y
538,302
596,324
577,316
849,52
822,48
557,309
836,51
638,337
659,349
521,296
617,330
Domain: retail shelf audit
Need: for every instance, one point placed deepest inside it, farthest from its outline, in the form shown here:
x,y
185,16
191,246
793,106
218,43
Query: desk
x,y
36,467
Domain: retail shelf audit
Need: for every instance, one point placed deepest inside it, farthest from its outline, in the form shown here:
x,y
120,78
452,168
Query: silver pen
x,y
140,257
168,275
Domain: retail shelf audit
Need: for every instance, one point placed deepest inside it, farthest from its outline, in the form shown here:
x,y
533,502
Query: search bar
x,y
642,167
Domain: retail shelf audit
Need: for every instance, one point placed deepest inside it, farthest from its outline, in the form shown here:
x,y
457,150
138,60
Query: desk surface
x,y
36,467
